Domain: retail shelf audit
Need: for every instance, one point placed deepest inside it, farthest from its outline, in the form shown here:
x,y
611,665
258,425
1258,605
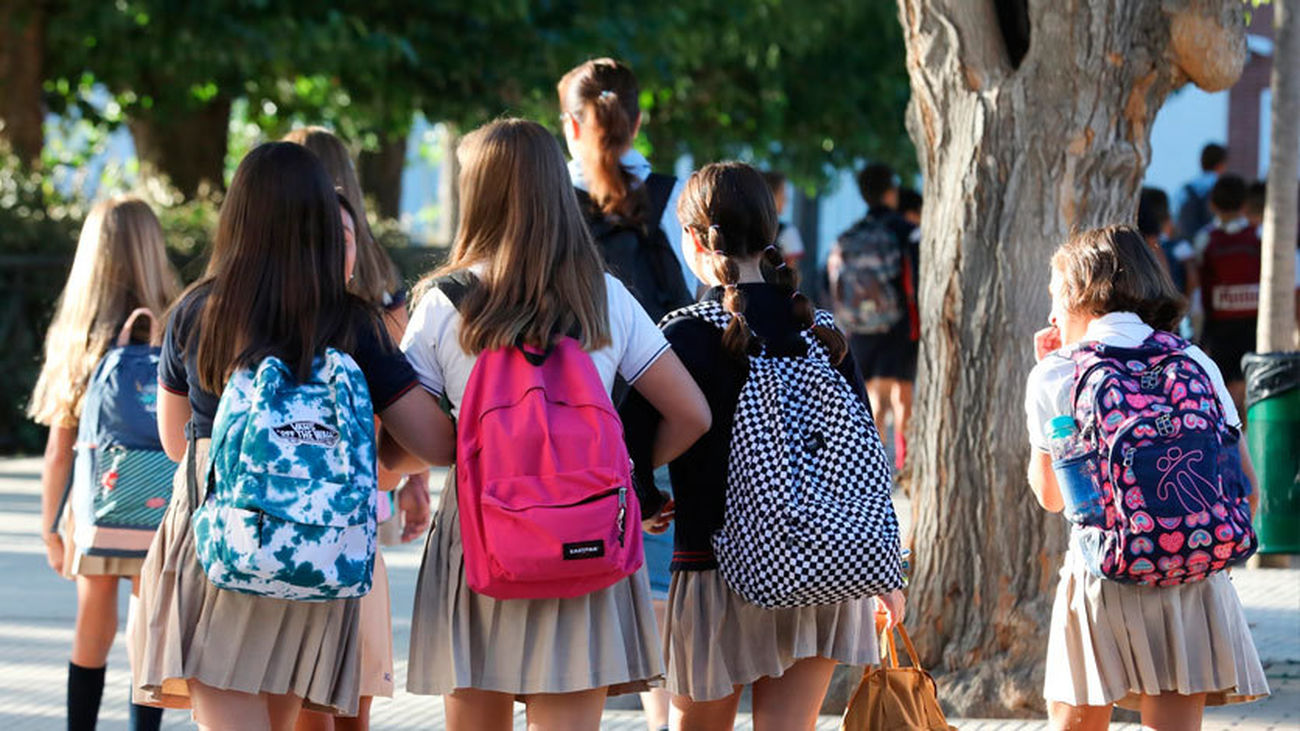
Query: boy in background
x,y
1229,270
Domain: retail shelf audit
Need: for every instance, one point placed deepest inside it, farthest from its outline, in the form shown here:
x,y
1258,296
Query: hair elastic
x,y
605,94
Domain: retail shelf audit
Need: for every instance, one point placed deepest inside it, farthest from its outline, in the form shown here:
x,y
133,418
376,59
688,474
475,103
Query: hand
x,y
659,522
54,552
413,501
1046,341
892,606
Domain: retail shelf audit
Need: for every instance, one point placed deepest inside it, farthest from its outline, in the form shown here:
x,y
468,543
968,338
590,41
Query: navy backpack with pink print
x,y
1165,463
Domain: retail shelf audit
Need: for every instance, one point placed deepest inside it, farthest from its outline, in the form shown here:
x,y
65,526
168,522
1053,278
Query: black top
x,y
700,475
388,375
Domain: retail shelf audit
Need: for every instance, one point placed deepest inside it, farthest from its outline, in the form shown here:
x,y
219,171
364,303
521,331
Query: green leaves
x,y
806,86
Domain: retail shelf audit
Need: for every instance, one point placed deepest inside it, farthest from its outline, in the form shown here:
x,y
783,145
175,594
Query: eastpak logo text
x,y
583,549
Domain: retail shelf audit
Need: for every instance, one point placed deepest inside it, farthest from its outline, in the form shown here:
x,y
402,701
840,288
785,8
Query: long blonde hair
x,y
375,276
121,265
541,273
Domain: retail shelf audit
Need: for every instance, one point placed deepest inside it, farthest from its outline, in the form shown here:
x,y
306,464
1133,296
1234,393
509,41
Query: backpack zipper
x,y
622,514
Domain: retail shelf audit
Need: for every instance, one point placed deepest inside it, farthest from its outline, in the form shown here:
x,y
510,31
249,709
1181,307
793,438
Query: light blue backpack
x,y
121,480
290,509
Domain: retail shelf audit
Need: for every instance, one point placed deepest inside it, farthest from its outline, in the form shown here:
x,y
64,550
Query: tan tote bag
x,y
895,698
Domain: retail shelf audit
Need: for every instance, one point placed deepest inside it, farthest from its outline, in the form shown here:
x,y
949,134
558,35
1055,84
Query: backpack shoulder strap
x,y
455,285
708,311
660,189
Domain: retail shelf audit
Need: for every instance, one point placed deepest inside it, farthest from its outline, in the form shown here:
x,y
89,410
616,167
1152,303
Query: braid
x,y
776,271
735,339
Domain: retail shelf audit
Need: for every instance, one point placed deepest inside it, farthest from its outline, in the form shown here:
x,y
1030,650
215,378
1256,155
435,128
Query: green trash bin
x,y
1273,438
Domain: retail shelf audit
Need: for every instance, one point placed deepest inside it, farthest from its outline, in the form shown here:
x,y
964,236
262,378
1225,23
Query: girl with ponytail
x,y
717,642
629,209
631,214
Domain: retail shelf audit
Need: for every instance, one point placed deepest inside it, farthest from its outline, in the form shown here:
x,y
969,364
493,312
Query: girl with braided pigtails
x,y
717,640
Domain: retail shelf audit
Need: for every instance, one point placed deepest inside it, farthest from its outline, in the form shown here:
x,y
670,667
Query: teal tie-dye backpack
x,y
290,509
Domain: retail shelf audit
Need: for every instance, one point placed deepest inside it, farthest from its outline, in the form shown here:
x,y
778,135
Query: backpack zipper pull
x,y
622,514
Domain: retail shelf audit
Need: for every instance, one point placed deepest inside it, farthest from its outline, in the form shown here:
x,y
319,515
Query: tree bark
x,y
22,60
381,174
188,147
1277,302
1015,157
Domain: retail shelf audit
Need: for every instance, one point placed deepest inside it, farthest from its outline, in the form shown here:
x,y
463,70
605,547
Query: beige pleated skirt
x,y
462,639
1113,643
77,564
715,640
377,634
187,629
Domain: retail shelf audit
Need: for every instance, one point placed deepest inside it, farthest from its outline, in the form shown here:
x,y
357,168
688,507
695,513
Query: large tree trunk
x,y
1022,138
381,174
1277,317
188,147
22,58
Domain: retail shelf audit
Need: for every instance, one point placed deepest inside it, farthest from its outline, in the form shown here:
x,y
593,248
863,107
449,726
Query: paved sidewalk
x,y
37,611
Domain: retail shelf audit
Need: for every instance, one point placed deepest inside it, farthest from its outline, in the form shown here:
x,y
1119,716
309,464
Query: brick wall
x,y
1243,103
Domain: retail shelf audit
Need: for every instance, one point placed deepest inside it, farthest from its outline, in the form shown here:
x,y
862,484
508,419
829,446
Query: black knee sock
x,y
85,688
145,718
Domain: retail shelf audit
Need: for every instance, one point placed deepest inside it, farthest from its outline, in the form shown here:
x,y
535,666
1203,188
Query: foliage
x,y
805,86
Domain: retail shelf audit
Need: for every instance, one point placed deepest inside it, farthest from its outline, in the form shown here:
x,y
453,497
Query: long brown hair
x,y
603,96
540,271
275,282
730,207
374,275
121,265
1112,269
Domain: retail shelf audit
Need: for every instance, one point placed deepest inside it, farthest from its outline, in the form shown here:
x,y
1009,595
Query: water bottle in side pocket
x,y
1075,468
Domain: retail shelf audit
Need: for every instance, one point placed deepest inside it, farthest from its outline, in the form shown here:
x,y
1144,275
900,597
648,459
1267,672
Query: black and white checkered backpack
x,y
808,517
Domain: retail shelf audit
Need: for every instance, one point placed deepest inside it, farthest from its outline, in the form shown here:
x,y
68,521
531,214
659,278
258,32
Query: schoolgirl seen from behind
x,y
532,585
1136,439
786,540
271,375
120,286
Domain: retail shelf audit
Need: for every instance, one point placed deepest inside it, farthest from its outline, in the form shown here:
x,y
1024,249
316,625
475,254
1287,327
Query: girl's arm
x,y
54,482
669,388
416,434
1042,480
173,414
395,321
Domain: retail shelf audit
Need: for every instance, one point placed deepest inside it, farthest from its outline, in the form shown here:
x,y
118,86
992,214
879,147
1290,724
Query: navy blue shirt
x,y
388,374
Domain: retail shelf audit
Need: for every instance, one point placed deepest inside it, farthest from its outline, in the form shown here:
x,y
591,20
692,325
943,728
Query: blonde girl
x,y
535,272
121,265
1166,651
375,280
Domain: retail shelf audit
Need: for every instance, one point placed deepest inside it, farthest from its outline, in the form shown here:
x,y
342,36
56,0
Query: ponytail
x,y
610,185
736,338
602,95
776,271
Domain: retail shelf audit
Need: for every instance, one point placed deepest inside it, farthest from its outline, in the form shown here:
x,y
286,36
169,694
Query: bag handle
x,y
891,649
155,327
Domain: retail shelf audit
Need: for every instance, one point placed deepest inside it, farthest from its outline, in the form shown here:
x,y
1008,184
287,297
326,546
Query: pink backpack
x,y
544,483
